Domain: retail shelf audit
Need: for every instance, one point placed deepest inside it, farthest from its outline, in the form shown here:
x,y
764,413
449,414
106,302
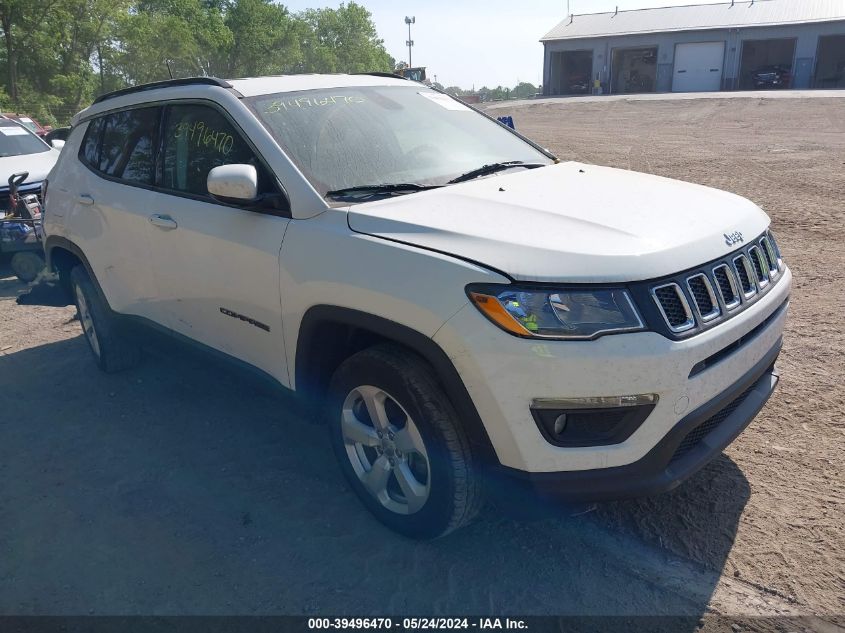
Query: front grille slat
x,y
674,307
759,265
770,257
702,294
726,283
775,249
744,273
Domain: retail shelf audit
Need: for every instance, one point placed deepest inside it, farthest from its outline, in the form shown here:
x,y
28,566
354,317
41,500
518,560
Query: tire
x,y
420,477
65,283
27,265
111,348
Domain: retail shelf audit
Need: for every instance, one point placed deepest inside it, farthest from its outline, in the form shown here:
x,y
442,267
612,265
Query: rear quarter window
x,y
89,151
128,147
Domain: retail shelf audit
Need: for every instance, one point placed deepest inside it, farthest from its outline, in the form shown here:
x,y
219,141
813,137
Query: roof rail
x,y
185,81
381,74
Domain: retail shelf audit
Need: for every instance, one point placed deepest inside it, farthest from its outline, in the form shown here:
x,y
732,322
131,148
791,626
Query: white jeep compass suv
x,y
472,315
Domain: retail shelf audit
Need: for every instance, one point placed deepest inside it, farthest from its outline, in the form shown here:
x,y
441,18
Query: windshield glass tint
x,y
15,141
348,137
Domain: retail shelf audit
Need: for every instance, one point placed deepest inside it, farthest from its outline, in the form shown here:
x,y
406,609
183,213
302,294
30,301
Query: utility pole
x,y
409,21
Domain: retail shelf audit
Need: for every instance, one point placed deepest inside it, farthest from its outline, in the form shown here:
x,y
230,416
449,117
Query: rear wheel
x,y
112,349
400,443
27,265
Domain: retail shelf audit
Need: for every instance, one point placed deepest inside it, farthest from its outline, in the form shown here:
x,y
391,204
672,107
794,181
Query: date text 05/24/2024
x,y
417,623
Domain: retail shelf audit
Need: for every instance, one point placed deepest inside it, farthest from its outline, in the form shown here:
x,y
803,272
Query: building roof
x,y
698,17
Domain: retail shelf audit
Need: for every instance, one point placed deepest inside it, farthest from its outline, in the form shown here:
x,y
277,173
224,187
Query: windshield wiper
x,y
376,191
492,168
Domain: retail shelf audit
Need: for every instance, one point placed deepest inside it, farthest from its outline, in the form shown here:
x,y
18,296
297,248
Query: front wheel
x,y
400,443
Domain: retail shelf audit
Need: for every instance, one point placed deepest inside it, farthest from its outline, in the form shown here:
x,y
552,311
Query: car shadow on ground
x,y
184,487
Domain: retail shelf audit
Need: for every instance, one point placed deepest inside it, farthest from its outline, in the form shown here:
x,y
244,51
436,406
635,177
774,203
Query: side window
x,y
198,138
89,151
127,150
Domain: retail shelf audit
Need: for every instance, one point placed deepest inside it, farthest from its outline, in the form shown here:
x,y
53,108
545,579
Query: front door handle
x,y
84,198
163,222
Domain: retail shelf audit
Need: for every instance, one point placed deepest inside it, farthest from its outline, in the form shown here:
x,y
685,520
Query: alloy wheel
x,y
87,321
385,449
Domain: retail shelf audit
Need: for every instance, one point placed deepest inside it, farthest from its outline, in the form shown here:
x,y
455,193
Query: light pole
x,y
409,21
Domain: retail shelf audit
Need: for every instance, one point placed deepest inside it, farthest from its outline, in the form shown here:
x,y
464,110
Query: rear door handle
x,y
163,222
84,198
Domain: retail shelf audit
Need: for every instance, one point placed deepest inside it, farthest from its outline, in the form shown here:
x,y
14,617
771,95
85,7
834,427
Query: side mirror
x,y
57,143
233,183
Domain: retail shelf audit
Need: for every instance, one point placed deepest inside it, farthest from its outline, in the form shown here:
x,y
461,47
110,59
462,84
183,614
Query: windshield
x,y
28,123
15,141
382,135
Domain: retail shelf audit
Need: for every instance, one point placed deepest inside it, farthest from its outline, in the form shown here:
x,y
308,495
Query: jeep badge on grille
x,y
733,238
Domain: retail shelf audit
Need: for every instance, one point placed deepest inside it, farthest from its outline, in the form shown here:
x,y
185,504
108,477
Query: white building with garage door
x,y
740,45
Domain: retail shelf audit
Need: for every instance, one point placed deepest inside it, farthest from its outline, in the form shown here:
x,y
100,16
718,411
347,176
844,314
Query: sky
x,y
470,43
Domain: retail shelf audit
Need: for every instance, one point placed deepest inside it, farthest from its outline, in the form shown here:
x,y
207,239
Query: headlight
x,y
534,312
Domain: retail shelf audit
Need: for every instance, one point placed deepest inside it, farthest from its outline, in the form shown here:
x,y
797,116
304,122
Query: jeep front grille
x,y
698,298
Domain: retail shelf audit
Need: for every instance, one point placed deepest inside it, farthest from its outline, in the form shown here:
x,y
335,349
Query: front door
x,y
216,266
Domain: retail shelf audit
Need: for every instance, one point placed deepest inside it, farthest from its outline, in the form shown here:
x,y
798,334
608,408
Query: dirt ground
x,y
184,488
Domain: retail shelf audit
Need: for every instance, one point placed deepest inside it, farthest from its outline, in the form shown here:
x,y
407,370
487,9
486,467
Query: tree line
x,y
522,90
58,55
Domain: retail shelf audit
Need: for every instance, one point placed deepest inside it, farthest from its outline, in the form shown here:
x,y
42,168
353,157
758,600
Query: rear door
x,y
698,67
107,196
216,266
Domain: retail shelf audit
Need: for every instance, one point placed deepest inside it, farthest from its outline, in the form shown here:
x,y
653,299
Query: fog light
x,y
600,421
560,423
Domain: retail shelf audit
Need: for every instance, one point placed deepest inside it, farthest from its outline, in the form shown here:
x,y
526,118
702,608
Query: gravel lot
x,y
183,487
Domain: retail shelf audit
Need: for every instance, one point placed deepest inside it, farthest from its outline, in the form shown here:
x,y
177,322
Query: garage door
x,y
698,67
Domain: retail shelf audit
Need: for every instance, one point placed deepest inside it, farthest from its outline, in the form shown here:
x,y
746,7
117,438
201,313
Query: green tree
x,y
266,39
159,37
523,90
57,55
343,40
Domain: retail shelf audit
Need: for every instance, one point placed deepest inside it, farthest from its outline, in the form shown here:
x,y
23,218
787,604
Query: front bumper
x,y
505,374
694,441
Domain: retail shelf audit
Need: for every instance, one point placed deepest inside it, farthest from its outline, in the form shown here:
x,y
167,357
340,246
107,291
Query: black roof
x,y
185,81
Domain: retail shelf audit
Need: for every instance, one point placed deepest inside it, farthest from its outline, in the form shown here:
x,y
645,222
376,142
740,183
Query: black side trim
x,y
307,368
657,472
167,83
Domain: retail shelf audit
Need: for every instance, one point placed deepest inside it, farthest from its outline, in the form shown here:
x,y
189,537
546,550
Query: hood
x,y
569,223
38,165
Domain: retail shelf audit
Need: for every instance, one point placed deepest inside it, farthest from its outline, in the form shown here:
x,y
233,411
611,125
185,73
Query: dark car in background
x,y
771,77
